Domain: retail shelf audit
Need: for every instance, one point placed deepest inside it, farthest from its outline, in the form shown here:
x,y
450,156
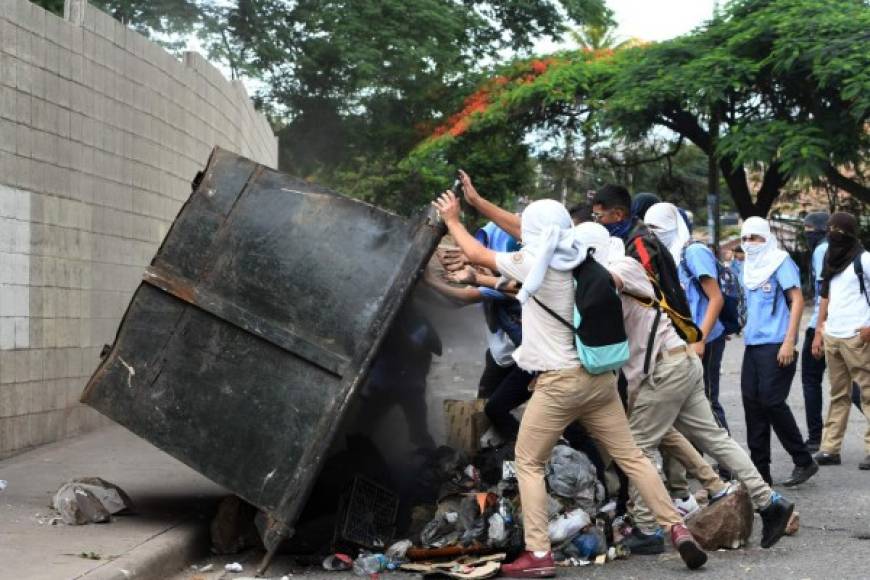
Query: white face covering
x,y
666,222
762,259
549,240
591,235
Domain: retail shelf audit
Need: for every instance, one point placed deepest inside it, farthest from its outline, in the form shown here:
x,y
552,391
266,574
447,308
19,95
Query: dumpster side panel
x,y
254,326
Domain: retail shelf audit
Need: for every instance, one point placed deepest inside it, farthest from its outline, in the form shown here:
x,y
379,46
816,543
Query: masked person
x,y
564,390
812,368
666,391
699,277
611,207
774,304
844,319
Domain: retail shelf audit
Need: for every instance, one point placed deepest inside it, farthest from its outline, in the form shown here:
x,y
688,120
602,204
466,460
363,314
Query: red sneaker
x,y
527,566
689,550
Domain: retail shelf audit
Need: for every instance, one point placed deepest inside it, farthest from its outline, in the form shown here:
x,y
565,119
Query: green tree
x,y
787,80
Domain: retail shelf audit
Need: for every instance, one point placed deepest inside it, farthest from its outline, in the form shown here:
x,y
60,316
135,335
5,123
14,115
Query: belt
x,y
677,352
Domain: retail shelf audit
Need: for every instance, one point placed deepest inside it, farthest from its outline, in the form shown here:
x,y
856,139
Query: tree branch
x,y
851,186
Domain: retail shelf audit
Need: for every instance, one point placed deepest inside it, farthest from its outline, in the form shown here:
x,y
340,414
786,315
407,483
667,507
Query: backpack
x,y
733,314
599,329
670,297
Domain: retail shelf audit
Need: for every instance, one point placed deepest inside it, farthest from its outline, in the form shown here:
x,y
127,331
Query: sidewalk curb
x,y
160,556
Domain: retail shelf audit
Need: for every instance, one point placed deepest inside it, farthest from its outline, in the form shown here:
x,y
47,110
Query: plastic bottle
x,y
368,564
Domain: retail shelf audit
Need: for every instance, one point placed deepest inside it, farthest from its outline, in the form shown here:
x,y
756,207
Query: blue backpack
x,y
733,314
599,328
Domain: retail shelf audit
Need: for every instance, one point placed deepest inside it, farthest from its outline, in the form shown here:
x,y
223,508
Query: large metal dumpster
x,y
253,327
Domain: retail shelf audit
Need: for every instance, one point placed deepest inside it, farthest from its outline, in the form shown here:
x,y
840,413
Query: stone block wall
x,y
101,132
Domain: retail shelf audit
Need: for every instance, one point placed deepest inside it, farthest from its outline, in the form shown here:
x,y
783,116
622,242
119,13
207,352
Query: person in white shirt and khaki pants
x,y
844,317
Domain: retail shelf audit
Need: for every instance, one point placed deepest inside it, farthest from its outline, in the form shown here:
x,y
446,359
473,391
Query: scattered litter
x,y
205,568
574,477
90,556
567,526
337,563
126,573
90,500
234,567
370,564
399,550
3,484
600,560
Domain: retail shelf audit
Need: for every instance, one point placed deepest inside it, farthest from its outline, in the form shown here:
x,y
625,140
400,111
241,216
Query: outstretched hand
x,y
471,195
448,207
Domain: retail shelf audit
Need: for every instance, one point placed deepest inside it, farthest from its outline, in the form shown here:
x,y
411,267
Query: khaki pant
x,y
673,396
848,360
559,398
679,456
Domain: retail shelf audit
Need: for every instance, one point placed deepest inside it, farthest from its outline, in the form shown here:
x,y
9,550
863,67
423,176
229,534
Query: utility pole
x,y
713,182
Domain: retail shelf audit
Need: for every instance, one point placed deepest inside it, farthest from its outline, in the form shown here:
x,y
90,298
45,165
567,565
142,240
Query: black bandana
x,y
843,247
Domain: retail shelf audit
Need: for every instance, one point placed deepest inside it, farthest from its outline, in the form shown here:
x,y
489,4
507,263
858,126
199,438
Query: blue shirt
x,y
767,312
737,266
698,261
496,239
818,261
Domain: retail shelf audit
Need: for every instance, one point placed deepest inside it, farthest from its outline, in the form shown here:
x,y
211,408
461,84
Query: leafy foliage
x,y
787,81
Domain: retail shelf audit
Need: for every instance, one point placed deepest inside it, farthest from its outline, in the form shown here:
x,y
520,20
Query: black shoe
x,y
812,446
865,465
801,473
645,544
774,519
824,458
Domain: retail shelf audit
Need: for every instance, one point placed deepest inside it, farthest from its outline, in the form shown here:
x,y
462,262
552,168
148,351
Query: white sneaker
x,y
687,506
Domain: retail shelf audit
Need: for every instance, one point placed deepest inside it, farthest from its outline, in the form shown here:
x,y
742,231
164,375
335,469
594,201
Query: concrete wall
x,y
101,132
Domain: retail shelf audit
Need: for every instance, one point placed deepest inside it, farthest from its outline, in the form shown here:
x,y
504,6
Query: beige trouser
x,y
680,456
559,398
673,396
848,361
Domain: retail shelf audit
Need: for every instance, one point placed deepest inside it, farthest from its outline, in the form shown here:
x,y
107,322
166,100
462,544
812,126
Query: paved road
x,y
834,506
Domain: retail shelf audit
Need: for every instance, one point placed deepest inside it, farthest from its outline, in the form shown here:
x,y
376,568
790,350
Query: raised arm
x,y
509,222
448,207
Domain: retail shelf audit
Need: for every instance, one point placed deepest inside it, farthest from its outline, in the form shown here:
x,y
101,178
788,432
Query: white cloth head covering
x,y
549,240
670,227
617,249
762,260
594,236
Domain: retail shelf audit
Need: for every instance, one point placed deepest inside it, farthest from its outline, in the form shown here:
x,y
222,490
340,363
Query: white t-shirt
x,y
548,345
500,347
639,320
847,308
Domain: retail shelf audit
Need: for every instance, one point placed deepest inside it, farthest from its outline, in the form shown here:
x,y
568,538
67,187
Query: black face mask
x,y
814,238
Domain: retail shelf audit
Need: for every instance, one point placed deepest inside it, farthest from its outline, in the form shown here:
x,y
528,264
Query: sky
x,y
651,19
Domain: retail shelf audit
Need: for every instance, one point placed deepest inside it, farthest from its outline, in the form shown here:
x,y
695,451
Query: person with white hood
x,y
666,392
774,304
699,276
564,390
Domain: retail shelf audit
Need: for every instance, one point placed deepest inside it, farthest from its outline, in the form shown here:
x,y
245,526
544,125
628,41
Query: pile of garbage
x,y
469,513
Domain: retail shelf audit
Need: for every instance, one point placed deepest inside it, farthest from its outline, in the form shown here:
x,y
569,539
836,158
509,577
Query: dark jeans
x,y
492,377
765,386
712,361
513,392
812,371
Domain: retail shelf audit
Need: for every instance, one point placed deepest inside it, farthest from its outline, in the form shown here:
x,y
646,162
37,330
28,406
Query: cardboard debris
x,y
466,568
466,424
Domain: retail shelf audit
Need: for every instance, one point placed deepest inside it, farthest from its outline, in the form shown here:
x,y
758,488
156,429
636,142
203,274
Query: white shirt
x,y
548,345
638,322
847,308
500,347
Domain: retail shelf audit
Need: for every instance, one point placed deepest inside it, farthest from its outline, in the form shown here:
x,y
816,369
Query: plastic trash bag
x,y
567,526
573,477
